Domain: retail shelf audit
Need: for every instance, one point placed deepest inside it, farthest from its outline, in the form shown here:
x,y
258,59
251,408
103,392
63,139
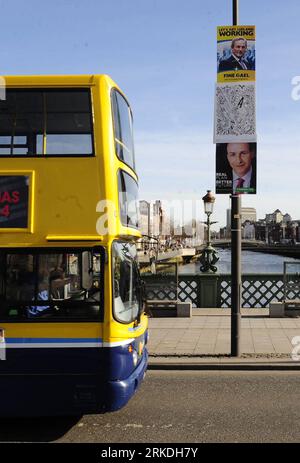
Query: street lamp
x,y
209,255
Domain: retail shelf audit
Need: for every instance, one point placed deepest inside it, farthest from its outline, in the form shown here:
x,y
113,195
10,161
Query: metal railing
x,y
214,290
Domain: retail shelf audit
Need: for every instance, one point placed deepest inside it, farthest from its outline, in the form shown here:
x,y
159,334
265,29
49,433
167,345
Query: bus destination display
x,y
14,195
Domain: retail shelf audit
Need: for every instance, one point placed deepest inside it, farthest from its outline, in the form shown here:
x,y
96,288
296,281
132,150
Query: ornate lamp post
x,y
209,255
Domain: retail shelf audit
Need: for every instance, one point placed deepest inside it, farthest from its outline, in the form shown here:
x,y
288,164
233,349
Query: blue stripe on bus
x,y
50,340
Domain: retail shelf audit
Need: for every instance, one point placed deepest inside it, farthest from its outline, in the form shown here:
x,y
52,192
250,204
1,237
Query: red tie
x,y
240,184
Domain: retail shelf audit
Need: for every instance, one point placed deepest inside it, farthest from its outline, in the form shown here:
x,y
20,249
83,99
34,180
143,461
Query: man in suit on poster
x,y
242,161
236,61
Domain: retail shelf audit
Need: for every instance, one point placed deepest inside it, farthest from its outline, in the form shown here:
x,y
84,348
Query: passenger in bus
x,y
43,295
37,310
57,283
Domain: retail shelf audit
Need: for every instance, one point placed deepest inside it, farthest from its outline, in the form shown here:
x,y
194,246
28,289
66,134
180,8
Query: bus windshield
x,y
51,285
127,283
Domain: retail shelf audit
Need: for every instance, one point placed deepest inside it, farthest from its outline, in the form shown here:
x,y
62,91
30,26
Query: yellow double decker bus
x,y
72,327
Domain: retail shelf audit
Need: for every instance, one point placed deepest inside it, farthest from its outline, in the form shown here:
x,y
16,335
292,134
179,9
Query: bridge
x,y
226,243
185,254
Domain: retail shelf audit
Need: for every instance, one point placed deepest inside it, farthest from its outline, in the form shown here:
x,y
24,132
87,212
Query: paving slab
x,y
208,333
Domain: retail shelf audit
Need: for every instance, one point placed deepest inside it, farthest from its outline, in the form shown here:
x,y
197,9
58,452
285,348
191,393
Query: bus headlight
x,y
134,357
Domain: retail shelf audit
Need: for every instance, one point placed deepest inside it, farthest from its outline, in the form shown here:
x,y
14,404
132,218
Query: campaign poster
x,y
235,53
236,168
235,112
14,201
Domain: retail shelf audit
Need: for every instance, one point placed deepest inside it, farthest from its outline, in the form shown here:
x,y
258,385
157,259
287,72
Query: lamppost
x,y
209,255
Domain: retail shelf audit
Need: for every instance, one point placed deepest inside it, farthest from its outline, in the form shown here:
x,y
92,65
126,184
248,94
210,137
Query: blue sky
x,y
163,55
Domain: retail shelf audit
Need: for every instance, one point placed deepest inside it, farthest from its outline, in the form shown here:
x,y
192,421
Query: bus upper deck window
x,y
46,122
122,119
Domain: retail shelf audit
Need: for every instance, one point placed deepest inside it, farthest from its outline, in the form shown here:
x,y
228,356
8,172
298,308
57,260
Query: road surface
x,y
183,407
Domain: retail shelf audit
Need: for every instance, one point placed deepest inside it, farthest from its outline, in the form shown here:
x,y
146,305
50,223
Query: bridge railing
x,y
214,290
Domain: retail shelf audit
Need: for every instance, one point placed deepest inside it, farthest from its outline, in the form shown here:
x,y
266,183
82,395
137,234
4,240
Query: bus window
x,y
20,279
126,282
128,199
46,122
51,285
122,119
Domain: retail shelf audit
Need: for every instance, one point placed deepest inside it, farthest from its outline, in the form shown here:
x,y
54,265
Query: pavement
x,y
204,341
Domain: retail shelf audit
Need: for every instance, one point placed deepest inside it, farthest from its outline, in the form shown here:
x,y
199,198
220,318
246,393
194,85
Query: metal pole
x,y
236,278
208,230
235,12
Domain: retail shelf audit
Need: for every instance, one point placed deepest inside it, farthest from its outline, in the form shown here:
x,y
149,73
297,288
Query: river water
x,y
252,262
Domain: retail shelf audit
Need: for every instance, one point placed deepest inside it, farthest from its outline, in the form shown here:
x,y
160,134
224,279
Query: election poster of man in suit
x,y
236,168
236,53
